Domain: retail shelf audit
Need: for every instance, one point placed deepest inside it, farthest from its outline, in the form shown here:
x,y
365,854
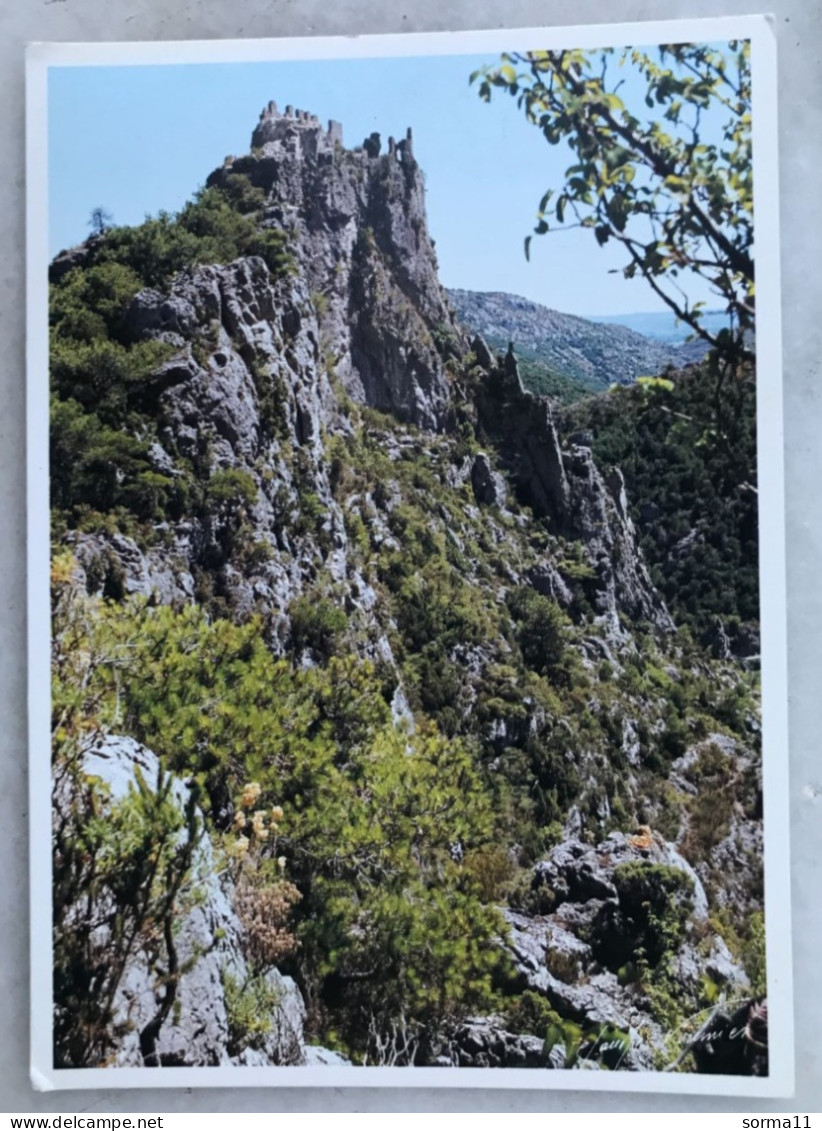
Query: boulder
x,y
484,1042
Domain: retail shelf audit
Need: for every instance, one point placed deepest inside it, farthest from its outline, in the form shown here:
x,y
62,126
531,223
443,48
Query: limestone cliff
x,y
358,221
261,364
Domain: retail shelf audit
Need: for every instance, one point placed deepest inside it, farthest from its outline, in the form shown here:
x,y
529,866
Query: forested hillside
x,y
377,735
687,448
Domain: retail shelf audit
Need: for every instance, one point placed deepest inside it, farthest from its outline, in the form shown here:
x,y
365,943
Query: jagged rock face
x,y
364,301
484,1042
571,940
252,389
597,514
233,326
488,485
560,943
247,392
208,939
578,873
115,566
358,220
567,486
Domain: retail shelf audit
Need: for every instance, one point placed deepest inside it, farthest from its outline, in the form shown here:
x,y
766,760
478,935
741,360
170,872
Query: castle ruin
x,y
300,132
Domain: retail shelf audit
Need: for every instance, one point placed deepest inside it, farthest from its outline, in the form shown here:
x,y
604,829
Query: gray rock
x,y
582,439
358,219
488,485
115,566
568,488
483,354
209,945
484,1042
568,930
317,1055
548,581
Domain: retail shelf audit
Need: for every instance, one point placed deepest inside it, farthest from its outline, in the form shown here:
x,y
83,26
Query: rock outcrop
x,y
210,951
488,485
261,364
724,835
566,486
357,218
578,933
330,447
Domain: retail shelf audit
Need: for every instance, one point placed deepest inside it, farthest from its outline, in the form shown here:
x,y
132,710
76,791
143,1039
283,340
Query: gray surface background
x,y
798,24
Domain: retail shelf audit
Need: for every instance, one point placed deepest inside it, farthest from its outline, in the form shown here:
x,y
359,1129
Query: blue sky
x,y
137,139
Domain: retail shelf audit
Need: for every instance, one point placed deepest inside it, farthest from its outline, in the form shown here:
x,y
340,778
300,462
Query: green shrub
x,y
211,228
230,489
753,955
91,303
99,462
684,474
530,1013
100,469
491,870
541,631
316,623
250,1009
121,877
655,904
710,809
391,930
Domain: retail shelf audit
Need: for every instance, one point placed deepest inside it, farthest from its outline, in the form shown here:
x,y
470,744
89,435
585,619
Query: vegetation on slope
x,y
104,384
399,845
687,449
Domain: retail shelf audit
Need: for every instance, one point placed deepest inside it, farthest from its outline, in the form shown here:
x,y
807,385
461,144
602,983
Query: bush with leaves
x,y
688,455
121,878
217,226
103,393
541,629
670,180
122,866
317,623
655,902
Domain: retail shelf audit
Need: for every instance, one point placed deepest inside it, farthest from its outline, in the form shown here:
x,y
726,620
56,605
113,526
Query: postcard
x,y
407,642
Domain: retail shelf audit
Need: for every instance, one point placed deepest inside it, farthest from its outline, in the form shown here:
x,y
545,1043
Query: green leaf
x,y
613,101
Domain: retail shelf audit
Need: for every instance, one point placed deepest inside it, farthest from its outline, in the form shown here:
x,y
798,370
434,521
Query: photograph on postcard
x,y
405,589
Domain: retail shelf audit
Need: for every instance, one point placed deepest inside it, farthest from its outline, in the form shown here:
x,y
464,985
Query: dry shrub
x,y
263,907
492,870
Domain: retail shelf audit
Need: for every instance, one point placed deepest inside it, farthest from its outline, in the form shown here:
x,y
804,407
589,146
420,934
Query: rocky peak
x,y
565,485
422,559
357,218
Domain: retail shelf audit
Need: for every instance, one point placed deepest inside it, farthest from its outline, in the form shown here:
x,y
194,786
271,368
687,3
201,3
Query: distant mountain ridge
x,y
663,325
594,354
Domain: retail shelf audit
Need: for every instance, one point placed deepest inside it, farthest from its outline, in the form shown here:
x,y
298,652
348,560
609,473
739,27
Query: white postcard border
x,y
760,31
